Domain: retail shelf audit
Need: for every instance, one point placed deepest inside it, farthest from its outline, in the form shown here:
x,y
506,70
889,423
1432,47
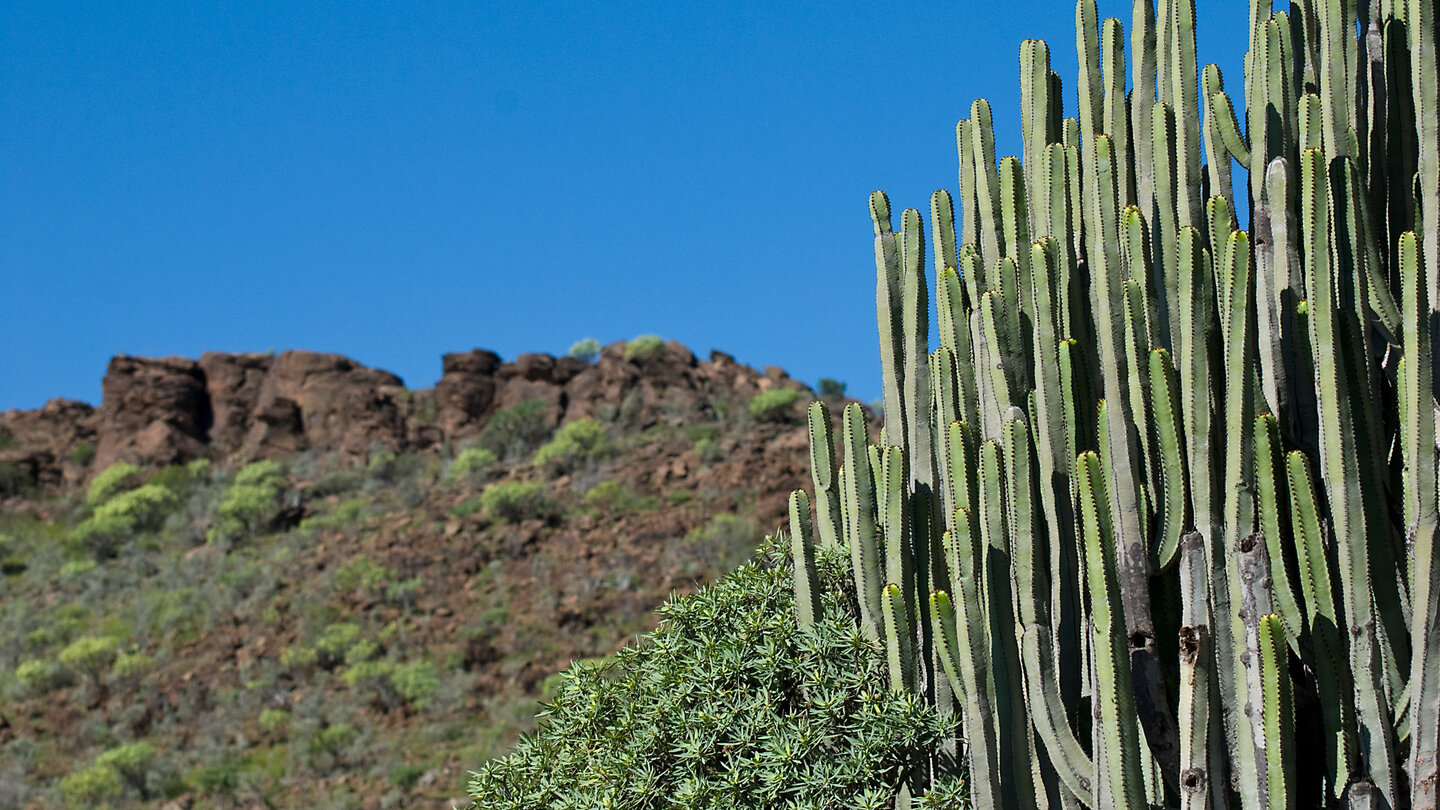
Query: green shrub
x,y
275,721
83,453
133,762
91,655
299,657
361,572
13,565
219,779
514,432
130,667
708,450
614,496
43,676
405,777
471,462
136,510
118,476
346,516
514,501
587,349
404,591
417,682
259,473
74,569
248,508
726,704
413,684
338,483
644,347
334,642
831,389
581,440
92,785
725,540
775,405
333,739
15,480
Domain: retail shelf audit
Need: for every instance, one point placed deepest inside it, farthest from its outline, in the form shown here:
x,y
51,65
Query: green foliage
x,y
83,453
74,569
335,642
587,349
43,676
775,405
122,516
361,572
112,479
615,496
252,502
91,655
15,480
347,515
275,721
514,501
514,432
219,779
405,777
1120,372
578,441
130,667
726,539
831,389
644,347
727,704
261,473
404,591
92,785
132,761
414,683
334,738
472,462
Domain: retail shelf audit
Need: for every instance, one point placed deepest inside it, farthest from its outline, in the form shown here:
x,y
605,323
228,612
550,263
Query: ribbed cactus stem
x,y
802,553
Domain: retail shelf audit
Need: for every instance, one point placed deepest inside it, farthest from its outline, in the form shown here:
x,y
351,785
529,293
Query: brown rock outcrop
x,y
153,412
247,406
233,383
43,443
465,392
325,401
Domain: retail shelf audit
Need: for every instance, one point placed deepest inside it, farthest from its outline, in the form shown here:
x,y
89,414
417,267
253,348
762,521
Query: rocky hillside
x,y
285,581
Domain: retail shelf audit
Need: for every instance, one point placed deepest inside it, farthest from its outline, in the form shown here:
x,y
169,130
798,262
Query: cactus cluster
x,y
1157,518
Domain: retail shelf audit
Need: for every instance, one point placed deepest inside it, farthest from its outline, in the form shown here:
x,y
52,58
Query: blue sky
x,y
392,181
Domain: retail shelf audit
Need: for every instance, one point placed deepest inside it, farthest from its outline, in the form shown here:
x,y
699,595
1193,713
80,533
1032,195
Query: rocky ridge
x,y
243,407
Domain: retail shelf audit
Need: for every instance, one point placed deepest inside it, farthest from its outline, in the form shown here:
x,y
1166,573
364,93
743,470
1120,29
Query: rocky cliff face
x,y
241,407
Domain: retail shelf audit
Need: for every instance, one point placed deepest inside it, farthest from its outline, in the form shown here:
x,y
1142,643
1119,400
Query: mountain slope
x,y
317,588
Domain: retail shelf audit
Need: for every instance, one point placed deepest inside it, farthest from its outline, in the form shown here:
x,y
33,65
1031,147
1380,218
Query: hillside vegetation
x,y
331,631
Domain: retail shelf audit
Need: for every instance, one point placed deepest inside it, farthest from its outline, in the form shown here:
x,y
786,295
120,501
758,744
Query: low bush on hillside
x,y
121,516
516,431
472,463
587,349
111,480
775,405
644,347
615,496
576,442
727,704
514,501
253,501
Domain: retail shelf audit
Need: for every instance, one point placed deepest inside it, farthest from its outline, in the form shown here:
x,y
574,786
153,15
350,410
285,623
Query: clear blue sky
x,y
393,181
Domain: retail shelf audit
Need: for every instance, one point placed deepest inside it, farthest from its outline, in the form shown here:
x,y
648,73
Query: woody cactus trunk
x,y
1157,518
